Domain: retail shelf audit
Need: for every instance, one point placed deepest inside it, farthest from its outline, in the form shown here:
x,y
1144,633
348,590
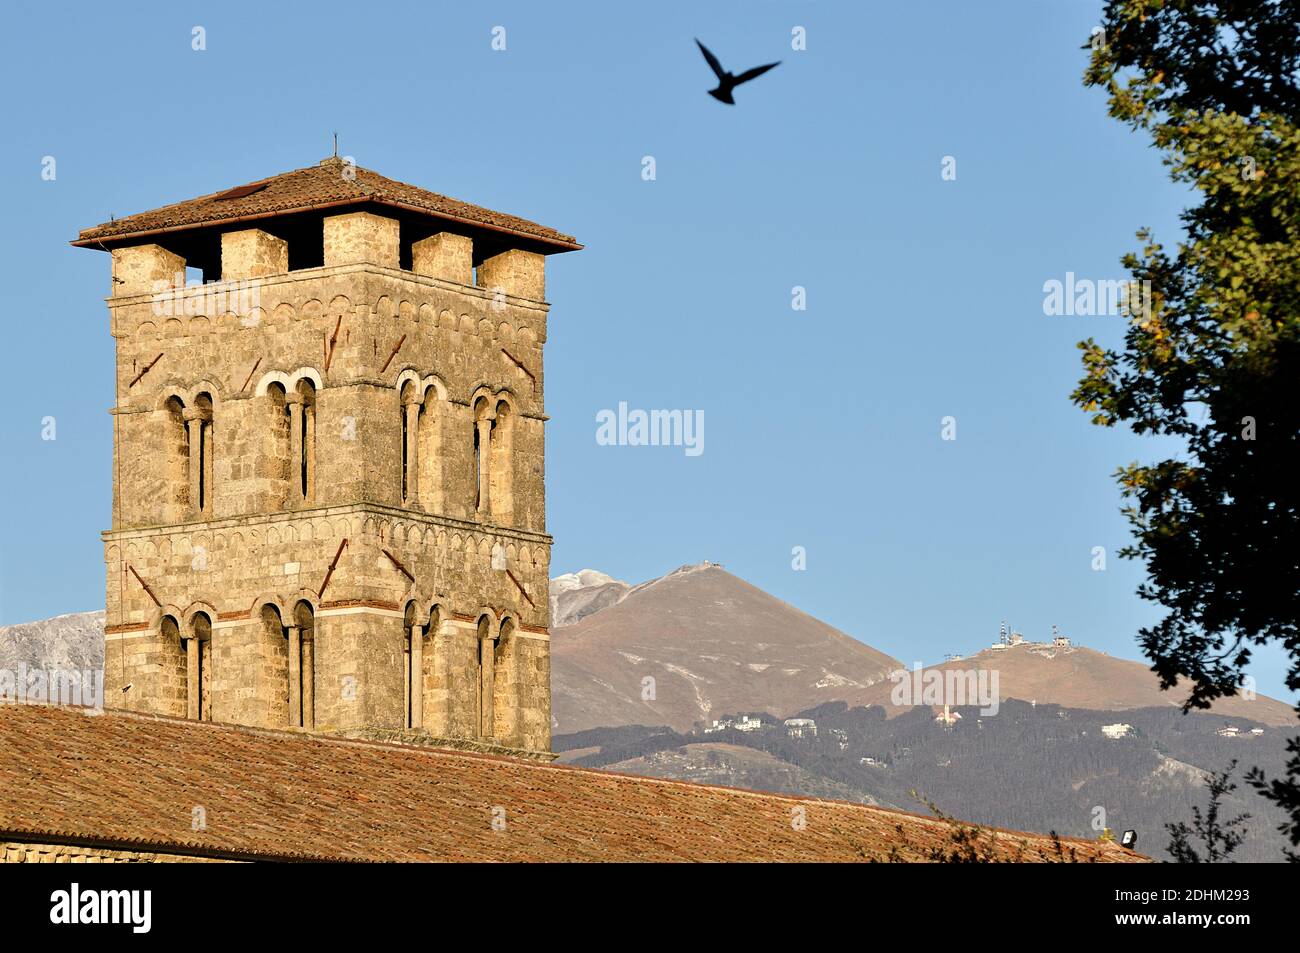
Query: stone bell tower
x,y
328,497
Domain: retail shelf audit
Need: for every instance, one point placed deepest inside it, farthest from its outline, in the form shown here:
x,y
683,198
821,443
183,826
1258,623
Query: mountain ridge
x,y
1071,676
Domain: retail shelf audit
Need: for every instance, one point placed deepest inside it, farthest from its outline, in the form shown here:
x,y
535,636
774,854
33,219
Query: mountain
x,y
73,642
1076,677
708,643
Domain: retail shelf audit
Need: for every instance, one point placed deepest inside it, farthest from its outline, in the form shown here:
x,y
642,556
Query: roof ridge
x,y
311,188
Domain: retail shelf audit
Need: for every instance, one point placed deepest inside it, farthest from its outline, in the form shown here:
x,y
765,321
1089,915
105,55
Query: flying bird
x,y
728,81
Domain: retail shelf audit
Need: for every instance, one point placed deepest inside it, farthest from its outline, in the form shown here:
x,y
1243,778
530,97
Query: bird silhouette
x,y
727,82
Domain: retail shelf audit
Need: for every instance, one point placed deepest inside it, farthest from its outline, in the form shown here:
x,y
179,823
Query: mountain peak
x,y
694,644
576,595
582,579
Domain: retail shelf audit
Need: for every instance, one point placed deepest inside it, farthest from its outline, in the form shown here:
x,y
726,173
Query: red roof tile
x,y
315,187
133,781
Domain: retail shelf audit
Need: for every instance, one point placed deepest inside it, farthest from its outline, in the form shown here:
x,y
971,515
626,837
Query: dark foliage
x,y
1217,837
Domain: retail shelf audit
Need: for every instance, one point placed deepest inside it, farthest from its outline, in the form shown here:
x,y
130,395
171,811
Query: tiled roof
x,y
131,781
318,186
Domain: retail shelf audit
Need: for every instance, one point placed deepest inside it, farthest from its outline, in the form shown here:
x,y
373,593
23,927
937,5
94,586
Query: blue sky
x,y
924,296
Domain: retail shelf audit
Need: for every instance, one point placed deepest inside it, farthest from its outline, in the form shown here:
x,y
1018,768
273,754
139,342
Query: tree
x,y
1219,838
1210,356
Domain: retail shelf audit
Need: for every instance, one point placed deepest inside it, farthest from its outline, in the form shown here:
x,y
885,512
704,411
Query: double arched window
x,y
423,409
185,665
289,435
433,480
188,452
294,642
421,630
302,441
498,682
494,458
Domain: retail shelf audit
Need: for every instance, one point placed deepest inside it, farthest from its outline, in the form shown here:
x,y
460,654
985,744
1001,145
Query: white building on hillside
x,y
801,727
744,724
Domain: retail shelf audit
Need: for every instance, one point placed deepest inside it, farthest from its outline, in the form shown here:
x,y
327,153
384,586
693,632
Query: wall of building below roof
x,y
15,852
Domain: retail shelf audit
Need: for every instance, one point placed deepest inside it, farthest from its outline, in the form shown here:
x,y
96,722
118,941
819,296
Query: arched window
x,y
502,463
172,655
412,401
175,462
302,667
198,668
505,700
276,443
486,694
276,652
302,441
198,432
430,477
421,632
483,420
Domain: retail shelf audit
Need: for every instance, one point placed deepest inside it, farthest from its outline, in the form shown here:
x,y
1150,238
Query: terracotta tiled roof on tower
x,y
331,184
122,786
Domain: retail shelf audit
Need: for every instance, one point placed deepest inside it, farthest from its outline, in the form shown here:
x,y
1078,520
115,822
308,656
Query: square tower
x,y
328,470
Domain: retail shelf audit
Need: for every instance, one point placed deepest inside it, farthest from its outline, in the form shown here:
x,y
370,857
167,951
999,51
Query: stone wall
x,y
456,340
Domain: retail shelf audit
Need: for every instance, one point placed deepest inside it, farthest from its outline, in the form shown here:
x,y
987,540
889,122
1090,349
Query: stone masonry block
x,y
252,253
361,237
445,256
138,268
516,272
